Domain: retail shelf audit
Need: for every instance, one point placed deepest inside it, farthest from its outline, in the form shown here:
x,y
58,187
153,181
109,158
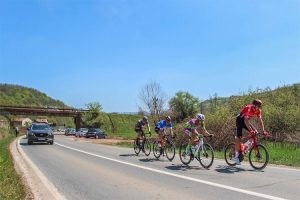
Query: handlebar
x,y
149,133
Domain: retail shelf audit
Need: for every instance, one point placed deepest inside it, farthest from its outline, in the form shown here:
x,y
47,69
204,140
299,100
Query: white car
x,y
81,133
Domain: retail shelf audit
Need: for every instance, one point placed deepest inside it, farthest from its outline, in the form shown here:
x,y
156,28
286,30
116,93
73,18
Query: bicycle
x,y
203,151
258,154
142,145
169,148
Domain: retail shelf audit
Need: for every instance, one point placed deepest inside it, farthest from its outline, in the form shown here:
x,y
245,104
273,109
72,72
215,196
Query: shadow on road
x,y
128,155
230,170
182,167
151,160
26,144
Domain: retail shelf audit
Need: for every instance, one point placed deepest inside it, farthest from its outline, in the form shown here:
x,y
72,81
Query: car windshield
x,y
83,129
40,127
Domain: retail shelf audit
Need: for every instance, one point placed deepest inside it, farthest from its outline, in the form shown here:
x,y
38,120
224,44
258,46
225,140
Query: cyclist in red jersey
x,y
243,122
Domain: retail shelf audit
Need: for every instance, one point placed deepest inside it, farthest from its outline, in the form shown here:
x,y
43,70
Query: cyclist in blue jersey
x,y
160,130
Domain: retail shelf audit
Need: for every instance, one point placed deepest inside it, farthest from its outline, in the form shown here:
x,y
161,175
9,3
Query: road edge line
x,y
42,178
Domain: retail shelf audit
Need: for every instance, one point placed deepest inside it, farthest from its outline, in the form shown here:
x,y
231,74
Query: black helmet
x,y
145,118
257,102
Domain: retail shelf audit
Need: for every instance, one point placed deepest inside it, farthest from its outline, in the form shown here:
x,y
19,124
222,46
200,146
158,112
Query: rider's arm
x,y
247,123
171,130
204,132
261,124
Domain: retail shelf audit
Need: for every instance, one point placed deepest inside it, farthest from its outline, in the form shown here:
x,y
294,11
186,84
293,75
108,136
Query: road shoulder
x,y
36,184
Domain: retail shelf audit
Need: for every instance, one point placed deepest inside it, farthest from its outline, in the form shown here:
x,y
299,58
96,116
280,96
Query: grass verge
x,y
11,186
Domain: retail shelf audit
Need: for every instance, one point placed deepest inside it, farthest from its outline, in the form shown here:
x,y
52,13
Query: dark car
x,y
95,133
40,132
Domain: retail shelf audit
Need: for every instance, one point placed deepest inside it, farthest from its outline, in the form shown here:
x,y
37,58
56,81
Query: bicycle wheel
x,y
136,148
170,150
259,157
230,154
156,149
147,147
184,155
206,156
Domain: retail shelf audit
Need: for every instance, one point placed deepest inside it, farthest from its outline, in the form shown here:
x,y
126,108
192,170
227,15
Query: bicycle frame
x,y
200,145
254,144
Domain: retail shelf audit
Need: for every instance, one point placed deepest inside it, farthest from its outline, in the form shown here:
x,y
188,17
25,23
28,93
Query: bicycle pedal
x,y
192,156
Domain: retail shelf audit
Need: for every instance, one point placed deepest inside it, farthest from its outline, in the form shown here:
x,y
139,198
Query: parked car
x,y
40,132
81,133
70,131
96,133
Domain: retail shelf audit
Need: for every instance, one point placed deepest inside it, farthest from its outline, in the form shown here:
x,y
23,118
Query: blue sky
x,y
82,51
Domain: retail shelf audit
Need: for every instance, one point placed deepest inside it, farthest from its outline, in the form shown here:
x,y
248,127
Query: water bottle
x,y
193,149
248,144
241,147
201,142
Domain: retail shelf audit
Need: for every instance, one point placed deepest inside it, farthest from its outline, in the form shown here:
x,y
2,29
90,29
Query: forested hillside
x,y
16,95
24,96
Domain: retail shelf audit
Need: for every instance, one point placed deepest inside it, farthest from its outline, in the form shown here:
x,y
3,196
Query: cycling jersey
x,y
249,112
139,125
191,125
163,124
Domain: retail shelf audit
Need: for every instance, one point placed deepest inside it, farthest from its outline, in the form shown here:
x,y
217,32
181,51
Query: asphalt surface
x,y
82,170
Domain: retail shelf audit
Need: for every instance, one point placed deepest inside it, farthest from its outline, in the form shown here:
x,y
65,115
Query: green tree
x,y
93,117
184,105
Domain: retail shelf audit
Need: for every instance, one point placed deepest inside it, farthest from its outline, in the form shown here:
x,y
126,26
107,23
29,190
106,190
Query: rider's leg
x,y
188,135
142,136
162,139
240,124
137,137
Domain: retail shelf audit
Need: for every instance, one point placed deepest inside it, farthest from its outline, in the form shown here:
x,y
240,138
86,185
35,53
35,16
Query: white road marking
x,y
52,189
178,176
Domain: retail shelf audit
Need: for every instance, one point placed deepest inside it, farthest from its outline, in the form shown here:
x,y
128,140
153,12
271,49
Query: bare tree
x,y
153,98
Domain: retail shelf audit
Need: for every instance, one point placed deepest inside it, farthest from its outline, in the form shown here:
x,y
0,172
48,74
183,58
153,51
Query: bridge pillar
x,y
77,120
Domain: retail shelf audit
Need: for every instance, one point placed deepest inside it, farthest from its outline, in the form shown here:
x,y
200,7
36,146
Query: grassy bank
x,y
11,186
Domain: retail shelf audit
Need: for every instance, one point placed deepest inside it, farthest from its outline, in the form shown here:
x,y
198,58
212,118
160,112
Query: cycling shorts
x,y
240,125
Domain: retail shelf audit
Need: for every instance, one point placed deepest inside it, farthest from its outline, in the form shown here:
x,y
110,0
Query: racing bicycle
x,y
142,145
258,154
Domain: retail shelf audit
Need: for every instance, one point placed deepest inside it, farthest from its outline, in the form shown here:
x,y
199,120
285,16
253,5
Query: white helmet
x,y
201,117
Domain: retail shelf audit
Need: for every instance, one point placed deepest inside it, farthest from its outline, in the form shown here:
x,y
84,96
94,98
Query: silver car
x,y
81,133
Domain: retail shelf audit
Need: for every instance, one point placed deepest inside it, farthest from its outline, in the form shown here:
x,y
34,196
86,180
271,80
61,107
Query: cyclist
x,y
160,130
191,131
243,122
139,129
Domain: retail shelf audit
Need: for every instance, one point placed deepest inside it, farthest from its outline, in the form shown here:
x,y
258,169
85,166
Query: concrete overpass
x,y
6,110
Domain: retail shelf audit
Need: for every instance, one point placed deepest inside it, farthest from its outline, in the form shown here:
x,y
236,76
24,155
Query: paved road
x,y
91,171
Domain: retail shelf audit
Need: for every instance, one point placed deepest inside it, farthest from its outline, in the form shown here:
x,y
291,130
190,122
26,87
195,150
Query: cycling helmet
x,y
168,118
201,117
145,118
257,102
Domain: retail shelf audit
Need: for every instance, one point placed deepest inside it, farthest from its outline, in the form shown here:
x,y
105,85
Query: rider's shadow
x,y
181,167
128,155
151,160
231,170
